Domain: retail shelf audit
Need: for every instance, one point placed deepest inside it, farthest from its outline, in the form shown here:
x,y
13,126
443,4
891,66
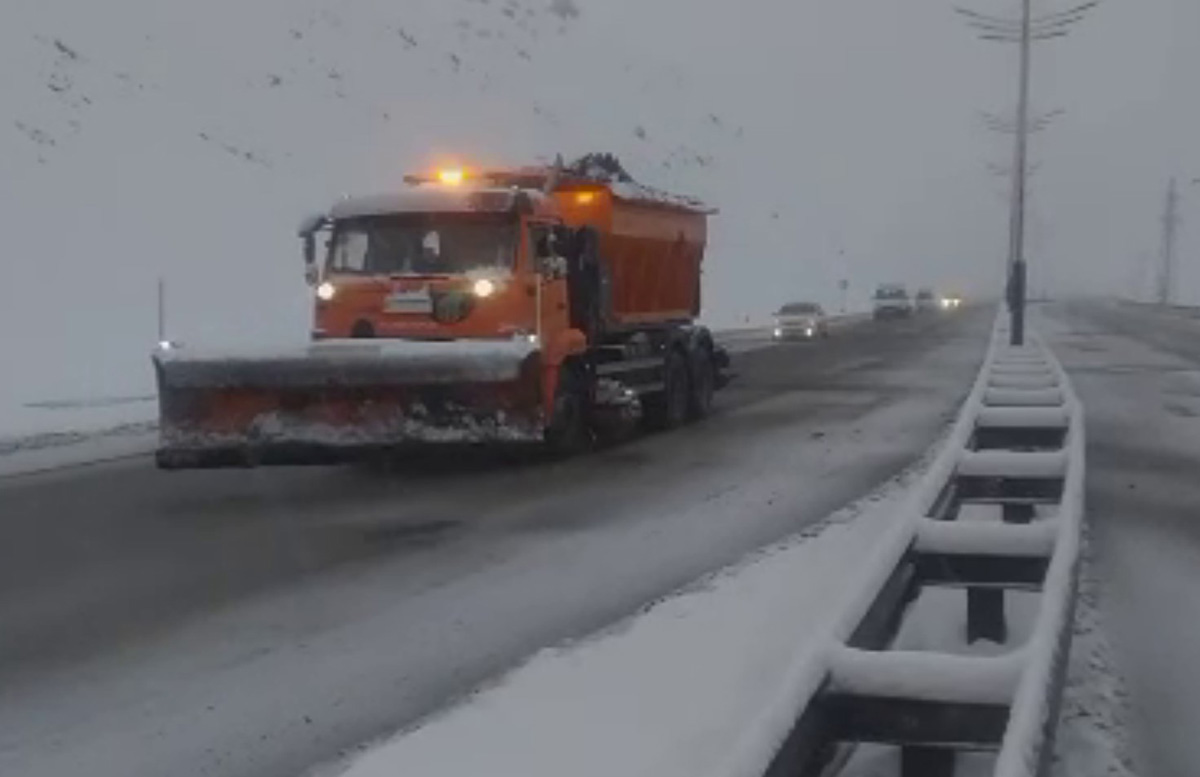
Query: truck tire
x,y
669,409
568,432
702,383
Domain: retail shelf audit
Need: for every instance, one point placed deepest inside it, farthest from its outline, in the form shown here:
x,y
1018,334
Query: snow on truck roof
x,y
430,199
591,173
438,199
637,192
495,191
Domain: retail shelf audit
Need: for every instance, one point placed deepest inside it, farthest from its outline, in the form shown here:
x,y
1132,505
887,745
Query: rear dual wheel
x,y
702,383
667,409
688,391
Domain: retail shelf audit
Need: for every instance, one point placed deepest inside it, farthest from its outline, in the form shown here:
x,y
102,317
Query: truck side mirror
x,y
311,272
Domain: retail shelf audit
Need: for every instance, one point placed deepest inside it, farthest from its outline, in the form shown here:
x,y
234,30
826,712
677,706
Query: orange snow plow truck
x,y
550,305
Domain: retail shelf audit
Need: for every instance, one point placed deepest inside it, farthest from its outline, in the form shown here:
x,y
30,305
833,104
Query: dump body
x,y
502,309
651,252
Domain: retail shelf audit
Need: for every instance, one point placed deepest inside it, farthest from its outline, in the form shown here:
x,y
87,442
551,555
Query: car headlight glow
x,y
484,288
808,331
326,291
778,331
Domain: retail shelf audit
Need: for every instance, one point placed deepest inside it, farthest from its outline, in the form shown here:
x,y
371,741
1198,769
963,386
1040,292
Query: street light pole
x,y
1016,249
162,310
844,281
1170,220
1025,32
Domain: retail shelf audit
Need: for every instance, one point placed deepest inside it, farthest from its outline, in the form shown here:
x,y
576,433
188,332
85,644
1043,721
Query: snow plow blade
x,y
341,400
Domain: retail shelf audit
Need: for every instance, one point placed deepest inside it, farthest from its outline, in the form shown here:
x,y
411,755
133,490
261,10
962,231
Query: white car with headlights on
x,y
800,321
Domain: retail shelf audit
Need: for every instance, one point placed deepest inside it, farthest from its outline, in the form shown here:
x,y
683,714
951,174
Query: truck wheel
x,y
568,432
669,409
702,384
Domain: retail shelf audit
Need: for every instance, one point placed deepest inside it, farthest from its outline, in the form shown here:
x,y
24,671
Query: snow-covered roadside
x,y
669,691
1093,739
48,452
1130,705
38,423
36,436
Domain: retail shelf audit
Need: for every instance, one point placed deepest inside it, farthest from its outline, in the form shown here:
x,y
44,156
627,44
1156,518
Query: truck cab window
x,y
549,261
349,252
422,244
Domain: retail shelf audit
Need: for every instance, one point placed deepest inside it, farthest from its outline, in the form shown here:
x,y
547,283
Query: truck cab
x,y
438,264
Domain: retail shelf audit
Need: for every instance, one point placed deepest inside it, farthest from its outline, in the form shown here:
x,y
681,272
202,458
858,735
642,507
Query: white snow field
x,y
142,139
44,435
1133,703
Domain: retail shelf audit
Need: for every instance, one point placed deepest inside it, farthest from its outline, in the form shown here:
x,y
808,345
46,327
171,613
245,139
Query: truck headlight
x,y
326,291
484,288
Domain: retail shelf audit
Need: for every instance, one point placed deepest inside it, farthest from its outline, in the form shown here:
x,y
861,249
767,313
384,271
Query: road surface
x,y
1137,371
259,623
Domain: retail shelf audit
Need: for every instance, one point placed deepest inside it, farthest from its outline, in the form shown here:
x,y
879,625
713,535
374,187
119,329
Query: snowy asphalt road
x,y
1137,371
262,622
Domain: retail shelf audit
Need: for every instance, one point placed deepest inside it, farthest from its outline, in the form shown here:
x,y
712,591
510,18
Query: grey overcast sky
x,y
839,138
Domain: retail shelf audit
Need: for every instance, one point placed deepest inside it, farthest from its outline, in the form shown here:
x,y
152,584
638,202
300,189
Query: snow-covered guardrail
x,y
996,516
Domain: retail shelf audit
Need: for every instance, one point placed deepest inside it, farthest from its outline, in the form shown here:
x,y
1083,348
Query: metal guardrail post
x,y
985,615
927,762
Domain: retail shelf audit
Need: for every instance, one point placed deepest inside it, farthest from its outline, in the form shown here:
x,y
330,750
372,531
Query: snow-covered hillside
x,y
147,138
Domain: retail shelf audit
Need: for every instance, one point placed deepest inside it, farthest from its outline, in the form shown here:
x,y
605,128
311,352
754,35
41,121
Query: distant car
x,y
892,301
951,302
800,321
926,301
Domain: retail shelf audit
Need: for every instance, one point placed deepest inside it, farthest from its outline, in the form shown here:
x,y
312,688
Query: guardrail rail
x,y
999,511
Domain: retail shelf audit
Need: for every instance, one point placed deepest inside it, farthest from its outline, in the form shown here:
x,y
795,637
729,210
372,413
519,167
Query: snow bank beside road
x,y
669,692
31,420
36,436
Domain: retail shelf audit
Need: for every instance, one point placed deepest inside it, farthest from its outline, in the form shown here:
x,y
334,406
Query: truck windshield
x,y
891,292
423,244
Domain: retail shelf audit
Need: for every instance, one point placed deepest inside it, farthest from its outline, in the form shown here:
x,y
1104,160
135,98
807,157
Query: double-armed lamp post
x,y
1025,31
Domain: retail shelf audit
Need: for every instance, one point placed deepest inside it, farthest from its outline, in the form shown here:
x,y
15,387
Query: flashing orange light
x,y
451,176
585,198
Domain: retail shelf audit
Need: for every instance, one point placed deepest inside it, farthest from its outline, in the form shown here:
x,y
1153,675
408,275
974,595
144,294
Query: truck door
x,y
551,267
584,285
